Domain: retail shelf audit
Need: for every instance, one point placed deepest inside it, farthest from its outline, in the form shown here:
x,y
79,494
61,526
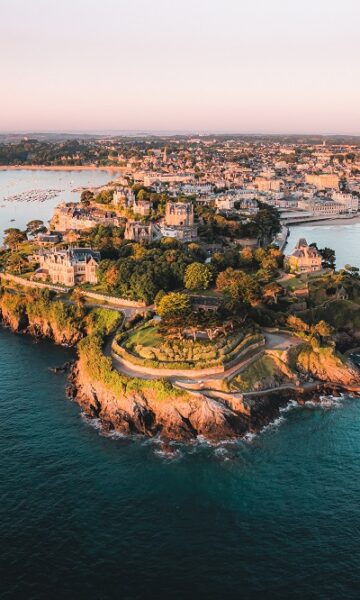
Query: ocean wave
x,y
249,436
326,402
168,455
274,424
290,406
222,454
94,422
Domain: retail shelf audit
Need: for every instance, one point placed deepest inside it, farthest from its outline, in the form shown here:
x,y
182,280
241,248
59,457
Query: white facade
x,y
350,202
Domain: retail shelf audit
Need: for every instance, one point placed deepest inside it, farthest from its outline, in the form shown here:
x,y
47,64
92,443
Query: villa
x,y
304,258
69,267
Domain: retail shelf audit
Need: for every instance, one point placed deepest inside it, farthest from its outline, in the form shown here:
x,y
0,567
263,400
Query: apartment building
x,y
322,207
323,181
349,201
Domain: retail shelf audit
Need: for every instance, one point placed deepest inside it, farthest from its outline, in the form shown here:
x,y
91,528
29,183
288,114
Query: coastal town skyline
x,y
200,66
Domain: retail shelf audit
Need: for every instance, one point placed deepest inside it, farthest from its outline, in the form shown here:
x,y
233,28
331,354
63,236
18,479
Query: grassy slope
x,y
338,313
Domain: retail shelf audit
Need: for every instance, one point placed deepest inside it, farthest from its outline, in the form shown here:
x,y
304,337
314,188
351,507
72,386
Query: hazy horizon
x,y
171,132
267,67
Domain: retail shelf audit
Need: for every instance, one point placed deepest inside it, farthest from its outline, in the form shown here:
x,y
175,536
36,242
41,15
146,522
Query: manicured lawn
x,y
293,284
146,336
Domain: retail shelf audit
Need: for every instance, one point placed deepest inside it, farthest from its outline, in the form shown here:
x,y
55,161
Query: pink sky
x,y
229,65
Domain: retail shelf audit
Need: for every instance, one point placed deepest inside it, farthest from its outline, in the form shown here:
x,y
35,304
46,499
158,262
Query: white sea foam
x,y
326,402
95,423
290,406
249,436
173,455
274,424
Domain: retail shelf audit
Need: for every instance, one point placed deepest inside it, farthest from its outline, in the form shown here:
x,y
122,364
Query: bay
x,y
18,213
344,238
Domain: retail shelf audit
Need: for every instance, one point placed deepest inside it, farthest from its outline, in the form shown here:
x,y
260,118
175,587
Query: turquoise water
x,y
17,214
344,239
87,516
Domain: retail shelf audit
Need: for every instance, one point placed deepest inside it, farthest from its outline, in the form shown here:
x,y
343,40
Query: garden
x,y
148,345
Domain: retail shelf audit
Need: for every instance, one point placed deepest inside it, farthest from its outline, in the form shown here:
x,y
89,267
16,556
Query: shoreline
x,y
355,220
337,221
214,418
59,168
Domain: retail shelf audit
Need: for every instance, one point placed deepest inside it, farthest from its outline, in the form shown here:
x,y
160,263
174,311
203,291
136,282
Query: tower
x,y
165,154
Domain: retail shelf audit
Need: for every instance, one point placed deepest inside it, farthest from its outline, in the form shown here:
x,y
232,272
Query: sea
x,y
13,183
344,238
85,515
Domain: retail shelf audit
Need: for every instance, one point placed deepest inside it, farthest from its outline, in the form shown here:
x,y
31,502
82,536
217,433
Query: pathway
x,y
274,341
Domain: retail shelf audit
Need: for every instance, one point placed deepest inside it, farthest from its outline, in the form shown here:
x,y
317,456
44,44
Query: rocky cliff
x,y
40,318
324,364
179,416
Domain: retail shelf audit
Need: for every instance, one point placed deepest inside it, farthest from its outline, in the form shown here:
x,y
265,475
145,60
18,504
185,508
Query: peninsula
x,y
187,317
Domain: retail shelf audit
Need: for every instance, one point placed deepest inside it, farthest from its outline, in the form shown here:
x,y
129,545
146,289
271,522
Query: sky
x,y
242,66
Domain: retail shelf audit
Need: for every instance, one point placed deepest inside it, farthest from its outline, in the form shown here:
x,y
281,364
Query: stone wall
x,y
113,299
33,284
125,358
121,302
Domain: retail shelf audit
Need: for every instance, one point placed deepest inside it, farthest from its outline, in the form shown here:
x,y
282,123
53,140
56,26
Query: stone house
x,y
304,258
68,267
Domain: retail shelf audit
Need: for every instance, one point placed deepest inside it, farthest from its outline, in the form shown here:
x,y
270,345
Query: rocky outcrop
x,y
16,320
325,365
43,328
184,416
179,418
39,319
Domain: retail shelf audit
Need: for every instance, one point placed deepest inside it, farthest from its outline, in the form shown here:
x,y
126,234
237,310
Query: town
x,y
178,270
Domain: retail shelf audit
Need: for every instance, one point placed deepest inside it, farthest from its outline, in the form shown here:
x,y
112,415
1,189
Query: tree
x,y
267,223
352,271
14,237
240,286
159,296
79,301
328,258
246,255
141,195
197,276
35,226
271,292
174,306
111,277
86,197
16,262
297,324
322,330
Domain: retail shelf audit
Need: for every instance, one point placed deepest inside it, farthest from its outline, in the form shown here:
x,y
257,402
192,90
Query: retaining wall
x,y
32,284
191,373
113,299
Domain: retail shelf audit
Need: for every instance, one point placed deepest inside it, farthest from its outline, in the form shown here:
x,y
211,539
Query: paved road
x,y
280,341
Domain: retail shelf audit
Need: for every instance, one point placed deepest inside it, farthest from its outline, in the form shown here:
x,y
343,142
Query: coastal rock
x,y
183,418
16,320
43,328
16,314
325,365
